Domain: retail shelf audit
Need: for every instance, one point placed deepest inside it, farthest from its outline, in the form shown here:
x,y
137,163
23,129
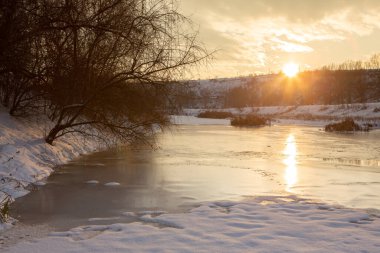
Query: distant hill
x,y
308,88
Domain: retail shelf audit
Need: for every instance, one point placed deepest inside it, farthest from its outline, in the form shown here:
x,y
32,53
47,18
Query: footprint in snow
x,y
92,182
112,184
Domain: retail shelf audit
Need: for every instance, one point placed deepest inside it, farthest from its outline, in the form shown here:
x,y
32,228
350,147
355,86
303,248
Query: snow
x,y
315,115
192,120
112,184
156,212
92,182
26,159
104,219
263,224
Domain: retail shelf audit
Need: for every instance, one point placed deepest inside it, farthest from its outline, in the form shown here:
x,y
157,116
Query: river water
x,y
198,163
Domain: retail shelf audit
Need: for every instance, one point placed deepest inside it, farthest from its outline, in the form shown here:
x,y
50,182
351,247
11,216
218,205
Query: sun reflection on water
x,y
291,171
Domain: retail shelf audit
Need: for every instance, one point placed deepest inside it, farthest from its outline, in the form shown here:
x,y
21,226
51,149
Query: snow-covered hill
x,y
311,87
223,84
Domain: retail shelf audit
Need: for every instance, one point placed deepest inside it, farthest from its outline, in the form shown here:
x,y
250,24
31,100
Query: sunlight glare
x,y
291,172
290,69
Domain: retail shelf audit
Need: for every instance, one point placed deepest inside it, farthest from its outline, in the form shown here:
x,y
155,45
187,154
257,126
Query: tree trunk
x,y
53,134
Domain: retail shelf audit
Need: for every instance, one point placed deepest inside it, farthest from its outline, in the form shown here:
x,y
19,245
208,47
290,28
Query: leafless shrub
x,y
250,120
215,115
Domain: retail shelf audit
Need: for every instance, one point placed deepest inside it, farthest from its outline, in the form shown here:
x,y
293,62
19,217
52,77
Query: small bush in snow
x,y
4,209
347,125
215,115
250,120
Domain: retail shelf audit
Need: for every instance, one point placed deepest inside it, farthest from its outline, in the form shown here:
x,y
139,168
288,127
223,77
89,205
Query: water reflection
x,y
291,172
354,162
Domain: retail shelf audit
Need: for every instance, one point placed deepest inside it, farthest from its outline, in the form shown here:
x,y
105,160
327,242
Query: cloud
x,y
293,10
290,47
253,35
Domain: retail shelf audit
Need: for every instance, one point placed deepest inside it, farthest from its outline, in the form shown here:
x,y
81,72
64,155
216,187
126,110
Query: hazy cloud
x,y
257,35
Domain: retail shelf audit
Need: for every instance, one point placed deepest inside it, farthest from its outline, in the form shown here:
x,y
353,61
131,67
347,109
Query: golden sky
x,y
258,36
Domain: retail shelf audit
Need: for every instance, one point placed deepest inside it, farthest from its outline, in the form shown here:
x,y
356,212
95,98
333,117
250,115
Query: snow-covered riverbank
x,y
325,113
26,159
264,224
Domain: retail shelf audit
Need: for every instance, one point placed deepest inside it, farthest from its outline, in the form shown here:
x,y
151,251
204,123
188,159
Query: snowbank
x,y
26,159
264,224
192,120
366,112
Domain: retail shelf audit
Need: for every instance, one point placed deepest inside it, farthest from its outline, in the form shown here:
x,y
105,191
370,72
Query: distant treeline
x,y
373,63
311,87
103,63
349,82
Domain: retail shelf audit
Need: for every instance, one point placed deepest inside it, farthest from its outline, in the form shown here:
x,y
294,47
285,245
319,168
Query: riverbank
x,y
307,114
25,158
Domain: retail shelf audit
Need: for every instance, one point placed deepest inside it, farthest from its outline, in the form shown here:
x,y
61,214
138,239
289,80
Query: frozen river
x,y
199,163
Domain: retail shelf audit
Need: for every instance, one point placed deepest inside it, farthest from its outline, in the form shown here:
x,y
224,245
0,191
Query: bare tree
x,y
99,49
20,57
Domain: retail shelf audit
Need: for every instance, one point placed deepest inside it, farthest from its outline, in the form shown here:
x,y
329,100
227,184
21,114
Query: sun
x,y
290,69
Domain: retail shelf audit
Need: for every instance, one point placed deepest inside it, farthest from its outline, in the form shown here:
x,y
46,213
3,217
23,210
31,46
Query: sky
x,y
260,36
